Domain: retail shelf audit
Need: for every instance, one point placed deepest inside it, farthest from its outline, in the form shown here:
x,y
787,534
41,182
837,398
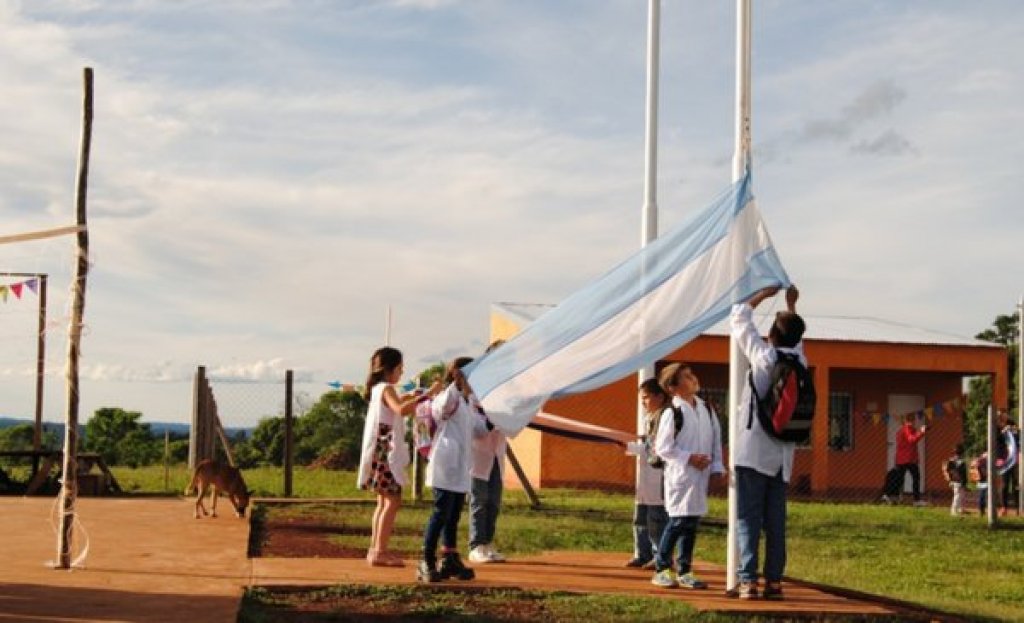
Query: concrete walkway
x,y
149,560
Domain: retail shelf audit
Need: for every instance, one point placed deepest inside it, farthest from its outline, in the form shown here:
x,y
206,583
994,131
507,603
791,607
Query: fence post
x,y
195,432
288,417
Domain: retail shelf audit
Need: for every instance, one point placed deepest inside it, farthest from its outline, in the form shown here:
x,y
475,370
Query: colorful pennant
x,y
18,288
928,413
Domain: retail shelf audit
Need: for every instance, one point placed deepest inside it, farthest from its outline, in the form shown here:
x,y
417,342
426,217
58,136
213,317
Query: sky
x,y
269,177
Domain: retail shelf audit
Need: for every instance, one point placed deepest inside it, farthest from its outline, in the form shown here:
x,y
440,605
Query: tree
x,y
1005,330
119,437
266,445
19,437
333,426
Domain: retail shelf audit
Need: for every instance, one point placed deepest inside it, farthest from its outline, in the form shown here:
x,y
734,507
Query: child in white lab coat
x,y
448,474
649,516
690,442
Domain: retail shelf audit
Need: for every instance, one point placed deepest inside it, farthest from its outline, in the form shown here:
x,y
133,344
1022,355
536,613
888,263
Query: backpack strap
x,y
677,419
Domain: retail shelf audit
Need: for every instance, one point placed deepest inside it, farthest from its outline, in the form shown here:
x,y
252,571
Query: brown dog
x,y
222,478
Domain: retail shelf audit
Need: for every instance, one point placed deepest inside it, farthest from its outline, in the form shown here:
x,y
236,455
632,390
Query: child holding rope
x,y
385,454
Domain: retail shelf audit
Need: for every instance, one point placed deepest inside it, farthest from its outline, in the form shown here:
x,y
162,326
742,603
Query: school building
x,y
868,374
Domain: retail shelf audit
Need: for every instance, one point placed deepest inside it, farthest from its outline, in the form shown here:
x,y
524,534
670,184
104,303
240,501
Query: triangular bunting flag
x,y
33,284
16,288
3,293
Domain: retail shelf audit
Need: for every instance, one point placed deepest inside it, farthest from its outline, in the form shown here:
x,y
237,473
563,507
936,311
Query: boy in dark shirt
x,y
955,472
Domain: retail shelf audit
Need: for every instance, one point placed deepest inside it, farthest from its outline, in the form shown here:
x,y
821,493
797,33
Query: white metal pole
x,y
738,365
649,215
990,466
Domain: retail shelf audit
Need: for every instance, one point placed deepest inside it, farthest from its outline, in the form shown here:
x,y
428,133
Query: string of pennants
x,y
928,414
18,288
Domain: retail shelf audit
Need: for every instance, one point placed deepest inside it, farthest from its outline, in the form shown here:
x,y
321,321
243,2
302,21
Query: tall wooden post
x,y
288,421
37,435
69,483
197,432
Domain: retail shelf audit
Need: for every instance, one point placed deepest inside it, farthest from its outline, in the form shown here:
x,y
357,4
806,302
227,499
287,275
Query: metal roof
x,y
826,328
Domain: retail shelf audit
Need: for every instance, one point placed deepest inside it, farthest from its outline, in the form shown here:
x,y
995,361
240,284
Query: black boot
x,y
452,567
426,571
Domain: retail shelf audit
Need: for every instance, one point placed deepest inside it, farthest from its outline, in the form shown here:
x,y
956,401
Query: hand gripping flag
x,y
642,310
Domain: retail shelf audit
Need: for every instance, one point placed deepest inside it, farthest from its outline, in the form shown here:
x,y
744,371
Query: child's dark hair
x,y
787,330
652,388
456,364
382,364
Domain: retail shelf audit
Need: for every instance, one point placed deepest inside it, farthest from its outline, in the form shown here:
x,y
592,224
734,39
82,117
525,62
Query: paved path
x,y
149,560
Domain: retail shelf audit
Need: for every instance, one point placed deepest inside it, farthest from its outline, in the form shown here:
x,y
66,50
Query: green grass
x,y
921,555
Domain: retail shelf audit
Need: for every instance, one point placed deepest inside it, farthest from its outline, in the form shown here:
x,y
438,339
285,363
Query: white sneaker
x,y
494,554
479,554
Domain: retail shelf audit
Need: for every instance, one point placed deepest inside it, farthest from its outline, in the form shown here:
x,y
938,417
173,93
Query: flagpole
x,y
737,363
649,214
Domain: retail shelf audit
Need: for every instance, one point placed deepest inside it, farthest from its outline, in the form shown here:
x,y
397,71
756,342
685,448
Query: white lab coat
x,y
650,487
451,452
398,456
686,487
755,448
487,446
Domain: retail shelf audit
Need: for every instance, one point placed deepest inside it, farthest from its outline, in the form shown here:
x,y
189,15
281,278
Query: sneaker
x,y
886,499
651,565
494,554
747,590
773,591
639,563
666,578
452,567
689,580
427,572
479,554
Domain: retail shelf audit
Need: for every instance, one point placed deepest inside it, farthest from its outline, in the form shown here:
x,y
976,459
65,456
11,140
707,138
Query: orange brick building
x,y
868,373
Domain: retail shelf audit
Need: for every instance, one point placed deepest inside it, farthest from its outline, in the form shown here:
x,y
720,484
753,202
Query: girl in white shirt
x,y
385,454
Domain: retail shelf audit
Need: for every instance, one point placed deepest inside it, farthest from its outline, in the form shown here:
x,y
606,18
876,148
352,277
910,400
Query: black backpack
x,y
787,411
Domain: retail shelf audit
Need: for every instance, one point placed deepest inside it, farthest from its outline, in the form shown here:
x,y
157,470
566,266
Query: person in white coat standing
x,y
488,471
649,516
690,442
448,475
763,463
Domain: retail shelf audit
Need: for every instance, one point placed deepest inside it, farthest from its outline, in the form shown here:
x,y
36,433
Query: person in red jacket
x,y
907,439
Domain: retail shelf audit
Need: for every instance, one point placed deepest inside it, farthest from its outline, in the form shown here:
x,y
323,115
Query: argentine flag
x,y
642,310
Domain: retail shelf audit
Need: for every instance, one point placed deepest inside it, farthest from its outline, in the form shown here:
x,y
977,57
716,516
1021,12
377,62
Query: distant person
x,y
448,475
488,472
979,476
649,517
689,440
764,464
1007,447
907,438
954,470
385,454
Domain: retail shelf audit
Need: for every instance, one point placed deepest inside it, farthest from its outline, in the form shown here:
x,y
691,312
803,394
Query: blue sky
x,y
268,176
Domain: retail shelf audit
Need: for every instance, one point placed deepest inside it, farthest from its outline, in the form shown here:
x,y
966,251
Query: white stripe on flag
x,y
644,309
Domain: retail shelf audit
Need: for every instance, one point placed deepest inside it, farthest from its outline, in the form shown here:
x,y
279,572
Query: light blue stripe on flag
x,y
640,311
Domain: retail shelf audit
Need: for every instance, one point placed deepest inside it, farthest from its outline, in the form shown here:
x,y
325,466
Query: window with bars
x,y
840,421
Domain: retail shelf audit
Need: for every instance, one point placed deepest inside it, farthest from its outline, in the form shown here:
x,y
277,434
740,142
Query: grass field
x,y
921,555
